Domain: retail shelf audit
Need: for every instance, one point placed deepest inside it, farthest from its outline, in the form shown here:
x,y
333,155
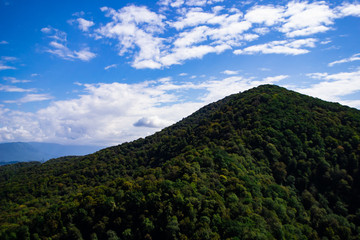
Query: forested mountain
x,y
38,151
267,163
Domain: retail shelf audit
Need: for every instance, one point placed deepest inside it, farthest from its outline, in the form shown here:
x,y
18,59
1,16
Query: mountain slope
x,y
267,163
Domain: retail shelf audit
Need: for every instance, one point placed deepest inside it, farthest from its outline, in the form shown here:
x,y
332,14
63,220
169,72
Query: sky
x,y
101,72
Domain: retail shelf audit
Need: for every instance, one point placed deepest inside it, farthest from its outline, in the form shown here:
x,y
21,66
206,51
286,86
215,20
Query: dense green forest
x,y
267,163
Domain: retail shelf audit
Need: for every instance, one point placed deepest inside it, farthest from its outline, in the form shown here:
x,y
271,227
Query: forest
x,y
267,163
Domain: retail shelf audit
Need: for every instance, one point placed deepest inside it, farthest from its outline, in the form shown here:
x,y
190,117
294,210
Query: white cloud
x,y
112,113
7,88
58,46
304,18
152,122
287,47
193,18
79,14
334,87
268,15
8,59
46,30
262,30
31,98
64,52
348,9
14,80
180,3
137,31
355,57
84,54
180,54
110,66
4,62
134,27
156,39
3,42
5,67
230,72
275,78
84,24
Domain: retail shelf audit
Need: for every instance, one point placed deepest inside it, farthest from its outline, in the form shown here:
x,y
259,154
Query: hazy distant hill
x,y
267,163
33,151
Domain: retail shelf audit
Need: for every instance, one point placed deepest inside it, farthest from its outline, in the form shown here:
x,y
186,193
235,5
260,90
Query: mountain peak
x,y
267,163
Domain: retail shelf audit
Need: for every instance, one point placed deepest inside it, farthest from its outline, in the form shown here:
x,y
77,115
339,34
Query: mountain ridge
x,y
267,163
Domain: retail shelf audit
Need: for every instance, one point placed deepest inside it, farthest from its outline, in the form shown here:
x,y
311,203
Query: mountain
x,y
267,163
35,151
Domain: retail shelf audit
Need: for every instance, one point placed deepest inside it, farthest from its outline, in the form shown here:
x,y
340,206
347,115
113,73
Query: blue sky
x,y
106,72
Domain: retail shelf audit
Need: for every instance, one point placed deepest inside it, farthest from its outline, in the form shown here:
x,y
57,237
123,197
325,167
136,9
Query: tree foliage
x,y
264,164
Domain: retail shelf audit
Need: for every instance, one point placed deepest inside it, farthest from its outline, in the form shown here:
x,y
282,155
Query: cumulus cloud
x,y
155,40
268,15
84,24
152,122
134,27
348,9
334,87
139,28
355,57
288,47
304,18
111,113
180,3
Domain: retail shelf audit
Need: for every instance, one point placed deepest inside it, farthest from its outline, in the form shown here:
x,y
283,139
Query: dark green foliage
x,y
264,164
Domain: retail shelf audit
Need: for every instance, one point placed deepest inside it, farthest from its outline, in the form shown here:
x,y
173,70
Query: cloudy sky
x,y
105,72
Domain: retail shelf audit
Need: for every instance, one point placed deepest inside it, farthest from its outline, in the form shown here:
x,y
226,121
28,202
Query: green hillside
x,y
267,163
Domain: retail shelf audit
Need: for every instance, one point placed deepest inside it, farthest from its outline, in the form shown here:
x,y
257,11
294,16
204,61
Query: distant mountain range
x,y
36,151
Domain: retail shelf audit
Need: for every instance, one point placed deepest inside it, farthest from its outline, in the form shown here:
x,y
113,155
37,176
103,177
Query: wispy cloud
x,y
230,72
355,57
3,42
4,62
5,67
7,88
110,66
58,46
288,47
14,80
31,98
